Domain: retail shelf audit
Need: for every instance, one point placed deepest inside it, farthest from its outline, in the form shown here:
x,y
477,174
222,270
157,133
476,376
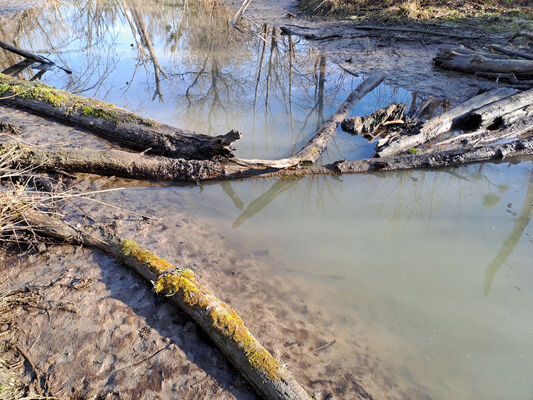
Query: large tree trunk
x,y
443,123
113,123
267,375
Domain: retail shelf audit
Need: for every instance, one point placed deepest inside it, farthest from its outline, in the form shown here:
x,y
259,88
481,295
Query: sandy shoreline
x,y
99,330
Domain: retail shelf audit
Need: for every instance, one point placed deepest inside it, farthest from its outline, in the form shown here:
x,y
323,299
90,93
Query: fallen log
x,y
319,142
522,33
368,125
113,123
508,126
442,123
266,374
491,115
516,148
160,168
476,63
113,162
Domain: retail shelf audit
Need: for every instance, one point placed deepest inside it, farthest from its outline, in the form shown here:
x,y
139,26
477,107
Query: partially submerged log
x,y
113,123
114,163
319,142
516,148
266,374
369,125
160,168
478,63
442,123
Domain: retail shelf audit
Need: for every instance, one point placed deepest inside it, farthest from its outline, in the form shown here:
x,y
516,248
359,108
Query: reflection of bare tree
x,y
228,189
265,199
146,42
522,221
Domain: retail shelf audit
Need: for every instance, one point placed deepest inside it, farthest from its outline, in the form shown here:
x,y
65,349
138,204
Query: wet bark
x,y
116,124
267,375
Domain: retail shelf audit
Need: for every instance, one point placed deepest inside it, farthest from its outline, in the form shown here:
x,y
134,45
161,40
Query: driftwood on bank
x,y
266,374
442,123
116,124
476,63
319,142
419,31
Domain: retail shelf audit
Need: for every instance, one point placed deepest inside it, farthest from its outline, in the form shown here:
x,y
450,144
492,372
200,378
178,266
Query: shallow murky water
x,y
433,268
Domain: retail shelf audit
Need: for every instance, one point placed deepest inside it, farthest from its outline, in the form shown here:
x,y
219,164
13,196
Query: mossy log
x,y
116,124
442,123
266,374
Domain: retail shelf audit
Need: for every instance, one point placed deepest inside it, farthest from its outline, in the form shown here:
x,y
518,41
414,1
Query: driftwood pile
x,y
475,126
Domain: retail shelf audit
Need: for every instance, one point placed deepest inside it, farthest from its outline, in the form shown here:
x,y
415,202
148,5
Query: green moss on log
x,y
223,318
10,86
156,264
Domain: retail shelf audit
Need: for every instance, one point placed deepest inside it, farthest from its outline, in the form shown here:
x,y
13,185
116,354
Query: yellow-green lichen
x,y
223,318
71,103
130,248
228,322
183,280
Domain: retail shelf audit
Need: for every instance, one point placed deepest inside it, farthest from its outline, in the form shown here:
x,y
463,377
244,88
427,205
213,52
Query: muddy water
x,y
432,271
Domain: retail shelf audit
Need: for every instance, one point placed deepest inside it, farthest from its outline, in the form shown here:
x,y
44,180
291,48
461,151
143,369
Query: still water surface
x,y
435,267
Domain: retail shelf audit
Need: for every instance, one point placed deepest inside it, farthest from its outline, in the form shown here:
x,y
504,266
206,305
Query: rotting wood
x,y
476,63
368,125
507,126
492,114
319,142
113,123
442,123
267,375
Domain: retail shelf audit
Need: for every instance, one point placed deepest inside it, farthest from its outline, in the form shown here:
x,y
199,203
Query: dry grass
x,y
421,10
